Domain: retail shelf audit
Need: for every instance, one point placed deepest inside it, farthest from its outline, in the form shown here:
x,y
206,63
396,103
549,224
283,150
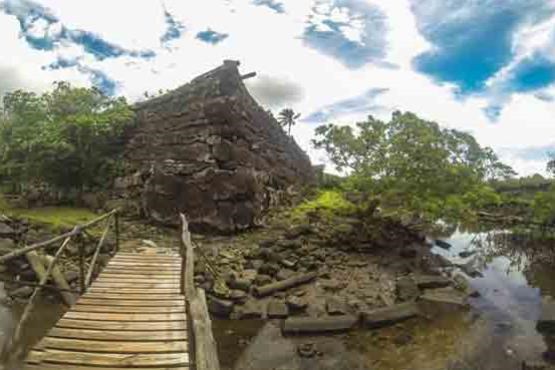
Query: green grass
x,y
56,218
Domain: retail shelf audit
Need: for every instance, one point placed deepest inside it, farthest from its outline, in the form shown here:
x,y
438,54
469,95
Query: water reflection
x,y
518,270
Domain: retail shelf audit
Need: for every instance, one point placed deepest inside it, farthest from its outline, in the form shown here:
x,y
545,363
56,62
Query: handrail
x,y
45,275
76,231
206,355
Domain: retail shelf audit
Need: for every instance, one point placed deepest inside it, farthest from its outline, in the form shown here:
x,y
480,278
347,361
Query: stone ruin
x,y
209,150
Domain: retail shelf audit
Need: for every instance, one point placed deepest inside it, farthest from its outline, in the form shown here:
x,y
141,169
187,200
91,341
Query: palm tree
x,y
287,117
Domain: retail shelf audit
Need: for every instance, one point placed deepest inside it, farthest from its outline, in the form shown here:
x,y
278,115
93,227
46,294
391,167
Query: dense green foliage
x,y
66,138
326,203
414,165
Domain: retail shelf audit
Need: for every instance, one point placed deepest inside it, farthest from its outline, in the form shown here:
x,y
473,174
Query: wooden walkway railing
x,y
206,355
134,315
44,275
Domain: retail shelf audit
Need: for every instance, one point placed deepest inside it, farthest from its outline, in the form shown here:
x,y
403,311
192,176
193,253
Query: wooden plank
x,y
148,256
126,284
150,274
77,367
118,335
127,309
145,262
125,316
102,359
138,303
114,347
145,291
125,279
146,297
122,325
142,270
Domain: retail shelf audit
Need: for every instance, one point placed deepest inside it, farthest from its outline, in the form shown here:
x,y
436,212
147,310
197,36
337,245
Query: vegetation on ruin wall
x,y
66,138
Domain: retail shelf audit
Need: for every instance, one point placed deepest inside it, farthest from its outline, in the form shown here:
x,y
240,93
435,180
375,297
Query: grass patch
x,y
327,203
55,218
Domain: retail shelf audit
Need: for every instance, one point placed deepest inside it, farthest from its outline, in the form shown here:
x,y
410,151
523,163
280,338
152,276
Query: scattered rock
x,y
284,274
442,244
277,310
262,279
296,304
311,325
307,350
336,306
534,365
546,322
269,269
220,307
290,244
431,281
408,252
6,231
71,276
407,290
442,300
288,263
241,284
389,315
238,296
254,264
297,231
470,270
332,284
23,292
250,310
466,254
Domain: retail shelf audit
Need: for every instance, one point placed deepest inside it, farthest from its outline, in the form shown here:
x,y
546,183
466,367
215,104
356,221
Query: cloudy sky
x,y
483,66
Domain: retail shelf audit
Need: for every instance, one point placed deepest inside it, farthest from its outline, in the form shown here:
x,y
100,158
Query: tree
x,y
66,138
287,118
411,162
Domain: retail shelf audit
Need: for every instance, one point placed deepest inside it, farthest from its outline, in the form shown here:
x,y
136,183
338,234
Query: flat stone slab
x,y
312,325
439,301
389,315
546,322
431,281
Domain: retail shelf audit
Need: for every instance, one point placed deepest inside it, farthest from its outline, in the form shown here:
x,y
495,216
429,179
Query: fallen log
x,y
37,264
314,325
60,280
268,289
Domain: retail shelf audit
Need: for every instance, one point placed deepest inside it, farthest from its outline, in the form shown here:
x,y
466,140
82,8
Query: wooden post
x,y
116,227
95,256
30,305
206,354
61,282
83,287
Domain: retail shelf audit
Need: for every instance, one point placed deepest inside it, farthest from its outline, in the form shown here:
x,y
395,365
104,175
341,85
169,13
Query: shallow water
x,y
497,334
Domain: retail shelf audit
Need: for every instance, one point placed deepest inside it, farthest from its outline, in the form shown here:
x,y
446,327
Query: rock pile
x,y
303,272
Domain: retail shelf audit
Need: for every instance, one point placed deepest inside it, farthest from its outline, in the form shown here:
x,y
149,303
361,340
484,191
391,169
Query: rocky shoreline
x,y
329,275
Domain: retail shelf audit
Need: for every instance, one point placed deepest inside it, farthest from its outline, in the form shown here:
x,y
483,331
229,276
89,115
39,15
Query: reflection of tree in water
x,y
531,254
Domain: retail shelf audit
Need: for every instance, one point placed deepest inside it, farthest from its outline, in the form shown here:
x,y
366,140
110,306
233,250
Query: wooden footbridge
x,y
142,312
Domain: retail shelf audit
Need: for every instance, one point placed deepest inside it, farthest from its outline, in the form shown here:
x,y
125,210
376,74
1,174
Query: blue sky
x,y
483,66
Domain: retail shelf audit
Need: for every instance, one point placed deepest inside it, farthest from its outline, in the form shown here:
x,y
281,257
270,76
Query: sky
x,y
482,66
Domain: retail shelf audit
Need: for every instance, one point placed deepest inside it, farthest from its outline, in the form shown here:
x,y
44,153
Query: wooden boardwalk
x,y
132,317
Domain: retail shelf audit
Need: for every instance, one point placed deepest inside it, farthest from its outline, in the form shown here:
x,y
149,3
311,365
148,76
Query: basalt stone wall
x,y
209,150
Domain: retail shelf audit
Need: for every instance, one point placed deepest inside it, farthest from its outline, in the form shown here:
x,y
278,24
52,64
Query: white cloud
x,y
270,43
